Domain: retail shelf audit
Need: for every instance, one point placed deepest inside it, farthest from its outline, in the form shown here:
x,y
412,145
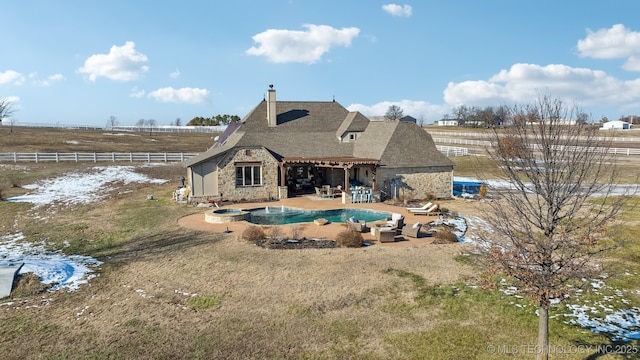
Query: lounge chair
x,y
433,210
424,207
356,225
411,230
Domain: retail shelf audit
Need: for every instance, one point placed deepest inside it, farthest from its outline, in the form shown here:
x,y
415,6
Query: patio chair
x,y
369,195
433,210
396,222
356,225
424,207
411,230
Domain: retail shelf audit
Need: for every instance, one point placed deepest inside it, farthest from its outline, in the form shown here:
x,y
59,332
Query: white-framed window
x,y
248,175
352,137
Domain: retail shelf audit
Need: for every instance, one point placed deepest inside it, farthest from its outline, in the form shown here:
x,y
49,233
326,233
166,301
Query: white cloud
x,y
523,82
398,10
282,46
182,95
122,63
616,42
421,110
175,74
135,93
46,82
11,77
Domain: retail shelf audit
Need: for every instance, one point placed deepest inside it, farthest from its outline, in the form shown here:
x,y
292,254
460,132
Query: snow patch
x,y
66,271
82,187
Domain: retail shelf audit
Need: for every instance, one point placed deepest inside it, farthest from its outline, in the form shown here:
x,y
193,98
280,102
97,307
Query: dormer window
x,y
352,137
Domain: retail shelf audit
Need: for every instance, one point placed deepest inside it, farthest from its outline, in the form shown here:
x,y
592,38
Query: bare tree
x,y
421,120
151,123
463,114
394,112
112,122
178,122
6,111
548,228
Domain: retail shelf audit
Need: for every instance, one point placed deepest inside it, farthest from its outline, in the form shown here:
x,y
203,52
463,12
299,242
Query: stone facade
x,y
417,183
227,174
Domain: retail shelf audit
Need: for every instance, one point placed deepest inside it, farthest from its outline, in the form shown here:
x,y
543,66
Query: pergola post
x,y
373,178
283,175
346,177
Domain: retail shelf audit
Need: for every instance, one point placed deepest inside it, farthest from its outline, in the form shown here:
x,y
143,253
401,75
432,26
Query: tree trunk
x,y
542,350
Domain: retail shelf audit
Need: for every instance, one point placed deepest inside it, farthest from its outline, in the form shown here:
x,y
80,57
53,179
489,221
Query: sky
x,y
83,62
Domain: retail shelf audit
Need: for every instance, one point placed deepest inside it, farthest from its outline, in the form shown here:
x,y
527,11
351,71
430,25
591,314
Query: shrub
x,y
444,236
349,238
295,232
253,234
429,197
275,232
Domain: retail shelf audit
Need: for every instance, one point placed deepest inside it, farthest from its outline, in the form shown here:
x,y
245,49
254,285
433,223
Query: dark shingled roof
x,y
314,130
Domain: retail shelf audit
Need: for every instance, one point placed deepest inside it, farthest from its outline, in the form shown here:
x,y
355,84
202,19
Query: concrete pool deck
x,y
311,230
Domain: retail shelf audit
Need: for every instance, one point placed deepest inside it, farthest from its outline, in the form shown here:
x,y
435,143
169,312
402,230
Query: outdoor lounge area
x,y
376,233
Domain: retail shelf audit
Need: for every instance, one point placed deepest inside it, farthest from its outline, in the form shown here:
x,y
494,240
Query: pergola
x,y
345,163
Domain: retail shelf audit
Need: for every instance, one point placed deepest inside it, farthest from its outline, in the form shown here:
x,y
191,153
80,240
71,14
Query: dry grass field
x,y
165,292
27,139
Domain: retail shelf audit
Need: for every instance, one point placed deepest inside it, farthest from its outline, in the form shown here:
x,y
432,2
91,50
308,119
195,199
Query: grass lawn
x,y
166,292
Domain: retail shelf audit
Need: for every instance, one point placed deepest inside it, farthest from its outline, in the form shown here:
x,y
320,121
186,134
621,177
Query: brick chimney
x,y
271,107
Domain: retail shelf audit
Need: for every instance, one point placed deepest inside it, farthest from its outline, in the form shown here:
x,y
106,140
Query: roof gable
x,y
316,130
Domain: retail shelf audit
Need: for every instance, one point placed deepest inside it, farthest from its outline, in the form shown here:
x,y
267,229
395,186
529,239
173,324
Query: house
x,y
447,122
281,144
616,125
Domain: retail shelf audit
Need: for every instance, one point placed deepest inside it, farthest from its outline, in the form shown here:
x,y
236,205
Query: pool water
x,y
283,215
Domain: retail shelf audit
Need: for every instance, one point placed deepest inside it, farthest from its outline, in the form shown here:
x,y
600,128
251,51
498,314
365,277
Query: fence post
x,y
57,157
36,158
15,157
165,157
95,158
148,157
113,157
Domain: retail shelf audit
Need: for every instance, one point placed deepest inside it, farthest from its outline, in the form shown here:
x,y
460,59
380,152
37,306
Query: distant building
x,y
447,122
616,125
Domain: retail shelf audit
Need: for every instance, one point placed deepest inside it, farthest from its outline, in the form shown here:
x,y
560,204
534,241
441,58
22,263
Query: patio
x,y
311,230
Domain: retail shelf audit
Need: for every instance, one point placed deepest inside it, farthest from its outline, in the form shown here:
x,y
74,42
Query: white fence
x,y
170,129
95,157
490,135
482,143
453,150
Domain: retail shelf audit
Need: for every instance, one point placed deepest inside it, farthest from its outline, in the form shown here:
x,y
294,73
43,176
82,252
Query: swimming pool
x,y
283,215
